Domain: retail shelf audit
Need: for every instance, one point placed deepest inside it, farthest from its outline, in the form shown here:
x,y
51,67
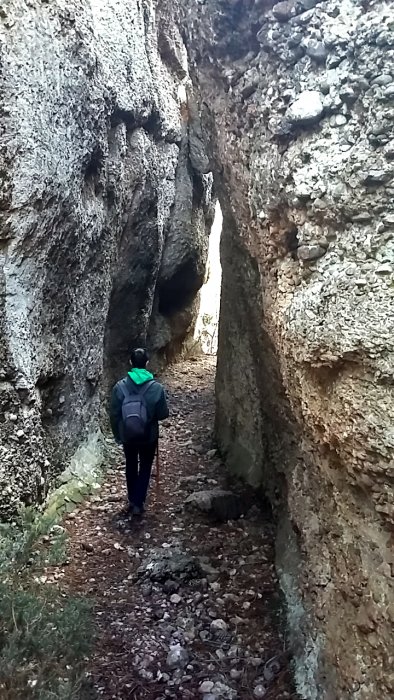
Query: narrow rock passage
x,y
185,606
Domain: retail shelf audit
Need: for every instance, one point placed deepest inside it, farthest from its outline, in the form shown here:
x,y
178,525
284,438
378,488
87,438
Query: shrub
x,y
44,634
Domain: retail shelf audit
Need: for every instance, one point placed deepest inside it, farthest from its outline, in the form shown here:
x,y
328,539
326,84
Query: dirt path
x,y
184,607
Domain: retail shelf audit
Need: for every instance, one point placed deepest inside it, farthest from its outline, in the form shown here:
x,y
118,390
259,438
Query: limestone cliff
x,y
95,136
297,108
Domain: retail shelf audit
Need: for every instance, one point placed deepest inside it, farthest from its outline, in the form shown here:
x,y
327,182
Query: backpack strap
x,y
145,387
124,387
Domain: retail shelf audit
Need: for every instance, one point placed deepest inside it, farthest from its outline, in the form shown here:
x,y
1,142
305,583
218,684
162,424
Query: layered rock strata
x,y
297,108
94,162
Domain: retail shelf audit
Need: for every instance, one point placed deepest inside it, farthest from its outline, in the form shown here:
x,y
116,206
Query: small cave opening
x,y
207,324
179,291
290,241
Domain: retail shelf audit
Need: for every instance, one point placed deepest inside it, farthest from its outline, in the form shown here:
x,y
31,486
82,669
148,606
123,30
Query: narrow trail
x,y
178,578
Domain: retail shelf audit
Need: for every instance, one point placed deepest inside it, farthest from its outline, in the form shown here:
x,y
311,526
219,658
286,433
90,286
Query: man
x,y
138,402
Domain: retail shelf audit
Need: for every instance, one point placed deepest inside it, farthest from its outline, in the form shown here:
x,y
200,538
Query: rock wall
x,y
297,109
95,144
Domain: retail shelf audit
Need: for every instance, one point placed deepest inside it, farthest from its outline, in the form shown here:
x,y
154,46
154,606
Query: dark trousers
x,y
139,462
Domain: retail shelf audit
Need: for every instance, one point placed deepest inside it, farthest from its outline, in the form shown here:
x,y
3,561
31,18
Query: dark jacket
x,y
156,405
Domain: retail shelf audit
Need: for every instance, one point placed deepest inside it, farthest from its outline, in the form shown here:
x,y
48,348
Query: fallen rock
x,y
164,565
219,504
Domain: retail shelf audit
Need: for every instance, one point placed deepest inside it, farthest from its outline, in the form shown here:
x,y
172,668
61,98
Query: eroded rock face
x,y
297,107
94,151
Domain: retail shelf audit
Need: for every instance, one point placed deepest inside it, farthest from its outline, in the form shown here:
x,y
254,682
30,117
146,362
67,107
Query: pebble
x,y
384,269
218,626
177,657
259,691
383,79
146,590
170,586
308,108
375,177
255,661
282,11
175,599
317,51
211,454
310,252
87,546
235,674
206,687
338,120
233,652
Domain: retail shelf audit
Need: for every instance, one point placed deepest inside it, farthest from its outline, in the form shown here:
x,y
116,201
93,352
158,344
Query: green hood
x,y
140,376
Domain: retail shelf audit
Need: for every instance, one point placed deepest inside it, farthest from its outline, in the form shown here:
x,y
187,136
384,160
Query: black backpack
x,y
135,419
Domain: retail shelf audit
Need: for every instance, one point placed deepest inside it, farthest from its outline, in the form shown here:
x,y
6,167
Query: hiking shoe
x,y
127,509
136,510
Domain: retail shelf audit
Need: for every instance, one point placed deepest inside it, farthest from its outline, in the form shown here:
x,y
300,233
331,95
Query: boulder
x,y
218,504
170,565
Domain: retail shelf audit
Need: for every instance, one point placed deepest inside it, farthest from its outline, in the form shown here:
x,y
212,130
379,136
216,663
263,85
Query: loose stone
x,y
206,687
218,626
310,252
307,109
177,657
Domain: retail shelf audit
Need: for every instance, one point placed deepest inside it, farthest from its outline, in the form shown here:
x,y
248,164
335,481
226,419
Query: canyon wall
x,y
296,104
104,216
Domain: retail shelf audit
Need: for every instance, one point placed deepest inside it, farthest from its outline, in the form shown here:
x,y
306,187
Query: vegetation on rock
x,y
44,634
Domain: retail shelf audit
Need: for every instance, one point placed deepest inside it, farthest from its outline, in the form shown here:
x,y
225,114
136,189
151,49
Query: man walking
x,y
138,402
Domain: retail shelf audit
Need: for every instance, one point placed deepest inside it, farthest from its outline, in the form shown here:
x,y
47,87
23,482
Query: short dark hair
x,y
139,358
